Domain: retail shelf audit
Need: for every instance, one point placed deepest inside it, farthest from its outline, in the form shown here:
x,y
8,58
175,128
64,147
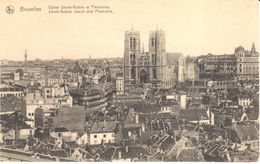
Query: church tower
x,y
131,53
147,68
253,48
25,57
157,55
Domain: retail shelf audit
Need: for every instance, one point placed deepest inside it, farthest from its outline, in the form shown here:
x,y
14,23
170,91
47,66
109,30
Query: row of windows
x,y
119,85
154,42
15,94
104,136
245,103
132,43
30,114
132,59
154,56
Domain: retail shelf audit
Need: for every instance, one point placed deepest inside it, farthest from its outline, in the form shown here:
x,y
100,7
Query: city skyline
x,y
191,28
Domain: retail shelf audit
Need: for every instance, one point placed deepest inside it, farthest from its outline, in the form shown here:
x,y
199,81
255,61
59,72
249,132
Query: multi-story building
x,y
102,132
76,73
42,117
120,85
222,81
217,63
7,71
187,69
15,90
92,96
247,63
170,76
144,67
48,80
32,104
54,91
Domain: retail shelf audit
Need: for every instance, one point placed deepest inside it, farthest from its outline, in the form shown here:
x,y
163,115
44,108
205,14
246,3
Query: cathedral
x,y
144,67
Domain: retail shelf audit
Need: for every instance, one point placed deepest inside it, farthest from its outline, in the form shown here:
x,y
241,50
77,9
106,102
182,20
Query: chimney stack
x,y
136,118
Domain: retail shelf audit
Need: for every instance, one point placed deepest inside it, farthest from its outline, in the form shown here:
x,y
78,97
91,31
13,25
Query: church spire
x,y
253,47
143,48
25,56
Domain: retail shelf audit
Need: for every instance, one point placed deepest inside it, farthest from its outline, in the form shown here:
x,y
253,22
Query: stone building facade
x,y
247,63
145,67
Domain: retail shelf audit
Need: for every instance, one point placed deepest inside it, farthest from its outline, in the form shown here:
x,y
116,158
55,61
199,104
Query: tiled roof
x,y
177,148
147,135
144,107
193,115
58,153
172,58
130,117
103,126
11,103
76,68
246,130
61,129
190,154
165,142
125,152
15,118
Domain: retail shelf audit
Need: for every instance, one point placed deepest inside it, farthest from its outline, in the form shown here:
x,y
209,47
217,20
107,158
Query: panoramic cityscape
x,y
149,105
129,81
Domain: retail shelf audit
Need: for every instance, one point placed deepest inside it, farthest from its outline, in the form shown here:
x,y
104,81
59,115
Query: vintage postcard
x,y
129,81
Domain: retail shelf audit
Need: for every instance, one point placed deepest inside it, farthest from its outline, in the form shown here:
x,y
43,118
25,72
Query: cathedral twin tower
x,y
144,67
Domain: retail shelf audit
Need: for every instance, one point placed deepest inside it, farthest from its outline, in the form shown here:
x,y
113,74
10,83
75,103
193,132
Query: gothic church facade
x,y
145,67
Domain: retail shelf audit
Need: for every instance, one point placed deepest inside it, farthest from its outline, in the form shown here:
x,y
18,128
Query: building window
x,y
132,43
95,136
154,73
104,136
132,59
29,114
133,74
154,59
153,42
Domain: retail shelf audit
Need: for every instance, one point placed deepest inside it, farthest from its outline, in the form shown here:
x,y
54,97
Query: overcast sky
x,y
193,27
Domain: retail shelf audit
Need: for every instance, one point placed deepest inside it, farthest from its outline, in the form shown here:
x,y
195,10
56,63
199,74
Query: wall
x,y
71,118
110,136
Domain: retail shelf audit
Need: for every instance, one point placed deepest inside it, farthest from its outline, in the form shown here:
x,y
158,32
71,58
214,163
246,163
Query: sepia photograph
x,y
129,81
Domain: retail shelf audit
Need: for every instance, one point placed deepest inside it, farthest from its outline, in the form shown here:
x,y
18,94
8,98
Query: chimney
x,y
136,118
143,127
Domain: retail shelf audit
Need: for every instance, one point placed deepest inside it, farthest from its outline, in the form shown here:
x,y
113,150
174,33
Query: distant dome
x,y
239,48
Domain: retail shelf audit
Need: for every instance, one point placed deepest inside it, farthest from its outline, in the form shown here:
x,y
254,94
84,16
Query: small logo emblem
x,y
9,9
